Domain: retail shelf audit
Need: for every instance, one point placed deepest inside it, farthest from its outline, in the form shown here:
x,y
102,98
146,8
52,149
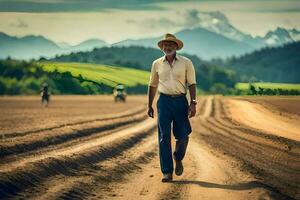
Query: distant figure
x,y
45,94
120,93
252,89
172,75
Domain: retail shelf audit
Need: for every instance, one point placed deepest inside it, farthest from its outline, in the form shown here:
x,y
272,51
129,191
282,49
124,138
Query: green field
x,y
102,74
265,85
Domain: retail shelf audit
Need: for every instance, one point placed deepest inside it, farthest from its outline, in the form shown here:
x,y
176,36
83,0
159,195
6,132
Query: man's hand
x,y
192,110
151,95
150,112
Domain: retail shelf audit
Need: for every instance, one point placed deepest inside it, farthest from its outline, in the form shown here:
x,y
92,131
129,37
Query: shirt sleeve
x,y
190,75
153,82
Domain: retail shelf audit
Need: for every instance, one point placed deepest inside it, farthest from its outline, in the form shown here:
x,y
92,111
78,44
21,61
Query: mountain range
x,y
31,46
213,36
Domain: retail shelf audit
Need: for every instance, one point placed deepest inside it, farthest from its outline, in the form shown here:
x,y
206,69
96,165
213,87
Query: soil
x,y
91,148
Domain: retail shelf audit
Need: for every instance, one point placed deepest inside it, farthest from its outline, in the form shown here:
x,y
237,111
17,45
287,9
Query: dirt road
x,y
115,157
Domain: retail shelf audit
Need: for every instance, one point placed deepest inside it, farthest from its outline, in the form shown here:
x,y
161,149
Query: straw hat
x,y
170,37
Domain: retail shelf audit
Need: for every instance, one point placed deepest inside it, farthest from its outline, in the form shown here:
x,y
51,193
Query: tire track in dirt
x,y
276,109
227,121
213,177
103,118
258,149
146,183
211,108
201,106
68,144
258,167
223,120
98,180
24,174
243,135
32,143
258,117
274,164
205,108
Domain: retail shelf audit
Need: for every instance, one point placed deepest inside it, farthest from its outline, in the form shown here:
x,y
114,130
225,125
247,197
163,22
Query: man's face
x,y
169,47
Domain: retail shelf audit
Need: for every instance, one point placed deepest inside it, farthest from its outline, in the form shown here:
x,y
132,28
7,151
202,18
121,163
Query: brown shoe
x,y
167,178
178,168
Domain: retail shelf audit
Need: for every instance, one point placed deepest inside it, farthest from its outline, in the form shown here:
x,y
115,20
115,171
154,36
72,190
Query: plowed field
x,y
88,147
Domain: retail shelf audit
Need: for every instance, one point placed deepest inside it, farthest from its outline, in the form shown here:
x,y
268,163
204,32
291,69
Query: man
x,y
171,75
45,94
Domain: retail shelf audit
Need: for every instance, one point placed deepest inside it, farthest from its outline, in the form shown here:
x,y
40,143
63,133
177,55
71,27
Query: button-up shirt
x,y
172,79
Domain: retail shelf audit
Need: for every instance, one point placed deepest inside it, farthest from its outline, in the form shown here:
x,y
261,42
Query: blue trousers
x,y
172,114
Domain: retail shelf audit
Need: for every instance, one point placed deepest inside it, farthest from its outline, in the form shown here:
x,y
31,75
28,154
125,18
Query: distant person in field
x,y
120,93
172,75
45,94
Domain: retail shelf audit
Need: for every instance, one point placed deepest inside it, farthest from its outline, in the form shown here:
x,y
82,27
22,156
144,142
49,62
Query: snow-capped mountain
x,y
217,22
212,35
281,36
295,34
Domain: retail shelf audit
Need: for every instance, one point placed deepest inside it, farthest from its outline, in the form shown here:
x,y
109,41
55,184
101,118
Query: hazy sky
x,y
74,21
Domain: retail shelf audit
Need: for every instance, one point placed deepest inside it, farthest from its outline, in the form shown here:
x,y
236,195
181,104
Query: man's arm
x,y
192,90
153,84
192,107
151,95
191,80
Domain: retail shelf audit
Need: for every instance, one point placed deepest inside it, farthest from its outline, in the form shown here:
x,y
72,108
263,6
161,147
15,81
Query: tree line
x,y
271,64
268,91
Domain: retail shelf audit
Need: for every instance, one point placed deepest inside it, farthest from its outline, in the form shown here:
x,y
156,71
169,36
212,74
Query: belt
x,y
173,95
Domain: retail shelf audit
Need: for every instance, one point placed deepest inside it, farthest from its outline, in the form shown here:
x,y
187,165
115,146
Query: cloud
x,y
78,5
74,27
158,23
100,5
218,15
19,24
184,19
191,18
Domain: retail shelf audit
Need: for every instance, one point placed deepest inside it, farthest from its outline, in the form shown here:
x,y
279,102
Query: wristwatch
x,y
194,101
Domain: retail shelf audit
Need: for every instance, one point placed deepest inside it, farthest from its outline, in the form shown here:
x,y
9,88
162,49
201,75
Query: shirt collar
x,y
176,58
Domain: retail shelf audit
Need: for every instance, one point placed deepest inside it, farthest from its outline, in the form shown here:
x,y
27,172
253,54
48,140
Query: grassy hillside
x,y
22,77
102,74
